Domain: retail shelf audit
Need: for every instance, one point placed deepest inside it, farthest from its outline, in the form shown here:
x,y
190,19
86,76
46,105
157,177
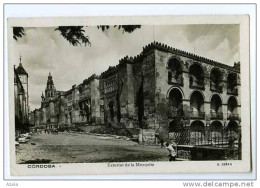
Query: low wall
x,y
88,128
200,152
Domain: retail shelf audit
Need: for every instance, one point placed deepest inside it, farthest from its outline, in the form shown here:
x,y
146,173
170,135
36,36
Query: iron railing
x,y
206,136
197,115
232,116
216,88
197,85
178,81
216,115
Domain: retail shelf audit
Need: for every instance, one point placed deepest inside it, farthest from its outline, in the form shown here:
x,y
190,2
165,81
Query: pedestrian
x,y
162,142
172,153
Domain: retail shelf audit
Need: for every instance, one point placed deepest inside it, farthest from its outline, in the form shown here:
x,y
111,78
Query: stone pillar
x,y
224,95
225,111
186,84
185,103
207,109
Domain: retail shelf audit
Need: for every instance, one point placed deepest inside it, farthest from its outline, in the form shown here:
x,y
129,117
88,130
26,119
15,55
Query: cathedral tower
x,y
50,91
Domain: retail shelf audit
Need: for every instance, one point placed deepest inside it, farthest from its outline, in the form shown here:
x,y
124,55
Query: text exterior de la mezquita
x,y
161,90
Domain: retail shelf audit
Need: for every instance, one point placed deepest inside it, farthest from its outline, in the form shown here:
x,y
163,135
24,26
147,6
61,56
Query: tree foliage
x,y
18,32
75,35
124,28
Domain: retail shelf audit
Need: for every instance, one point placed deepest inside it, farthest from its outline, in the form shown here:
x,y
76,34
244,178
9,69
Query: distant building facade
x,y
21,97
150,91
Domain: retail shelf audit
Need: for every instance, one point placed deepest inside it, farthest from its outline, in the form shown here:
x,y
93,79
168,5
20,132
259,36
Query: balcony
x,y
232,116
215,88
197,115
173,81
232,91
197,85
216,115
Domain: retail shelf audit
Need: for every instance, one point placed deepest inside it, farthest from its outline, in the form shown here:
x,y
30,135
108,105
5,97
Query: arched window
x,y
197,105
232,130
216,131
175,102
216,107
197,133
232,84
232,108
175,72
196,75
215,80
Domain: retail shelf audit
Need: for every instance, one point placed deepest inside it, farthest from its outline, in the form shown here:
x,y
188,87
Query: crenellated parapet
x,y
89,79
166,48
111,70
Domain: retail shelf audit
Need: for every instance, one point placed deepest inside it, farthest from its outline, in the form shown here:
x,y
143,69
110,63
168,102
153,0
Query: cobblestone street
x,y
83,148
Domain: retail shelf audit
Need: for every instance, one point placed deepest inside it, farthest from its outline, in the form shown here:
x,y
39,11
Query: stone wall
x,y
144,84
135,93
95,102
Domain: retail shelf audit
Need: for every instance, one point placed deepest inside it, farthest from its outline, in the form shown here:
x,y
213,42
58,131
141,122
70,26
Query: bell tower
x,y
23,75
50,91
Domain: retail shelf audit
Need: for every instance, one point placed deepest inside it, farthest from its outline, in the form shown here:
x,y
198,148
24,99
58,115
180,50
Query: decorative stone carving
x,y
224,74
187,64
162,58
207,69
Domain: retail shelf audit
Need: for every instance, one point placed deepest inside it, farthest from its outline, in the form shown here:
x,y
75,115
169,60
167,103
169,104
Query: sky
x,y
45,51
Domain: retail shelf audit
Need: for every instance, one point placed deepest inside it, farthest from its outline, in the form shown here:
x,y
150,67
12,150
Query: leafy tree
x,y
18,32
75,35
124,28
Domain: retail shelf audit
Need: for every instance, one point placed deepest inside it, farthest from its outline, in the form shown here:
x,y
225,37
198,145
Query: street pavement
x,y
83,148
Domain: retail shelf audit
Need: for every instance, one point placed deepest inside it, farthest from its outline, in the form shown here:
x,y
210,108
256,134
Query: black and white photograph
x,y
129,94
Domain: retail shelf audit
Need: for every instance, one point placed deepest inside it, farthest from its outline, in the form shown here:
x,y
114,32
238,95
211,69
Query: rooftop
x,y
20,70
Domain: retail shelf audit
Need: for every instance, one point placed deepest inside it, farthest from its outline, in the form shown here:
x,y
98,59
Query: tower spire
x,y
20,59
50,91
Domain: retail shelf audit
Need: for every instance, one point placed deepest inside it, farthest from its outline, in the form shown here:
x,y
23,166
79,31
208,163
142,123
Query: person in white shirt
x,y
172,153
